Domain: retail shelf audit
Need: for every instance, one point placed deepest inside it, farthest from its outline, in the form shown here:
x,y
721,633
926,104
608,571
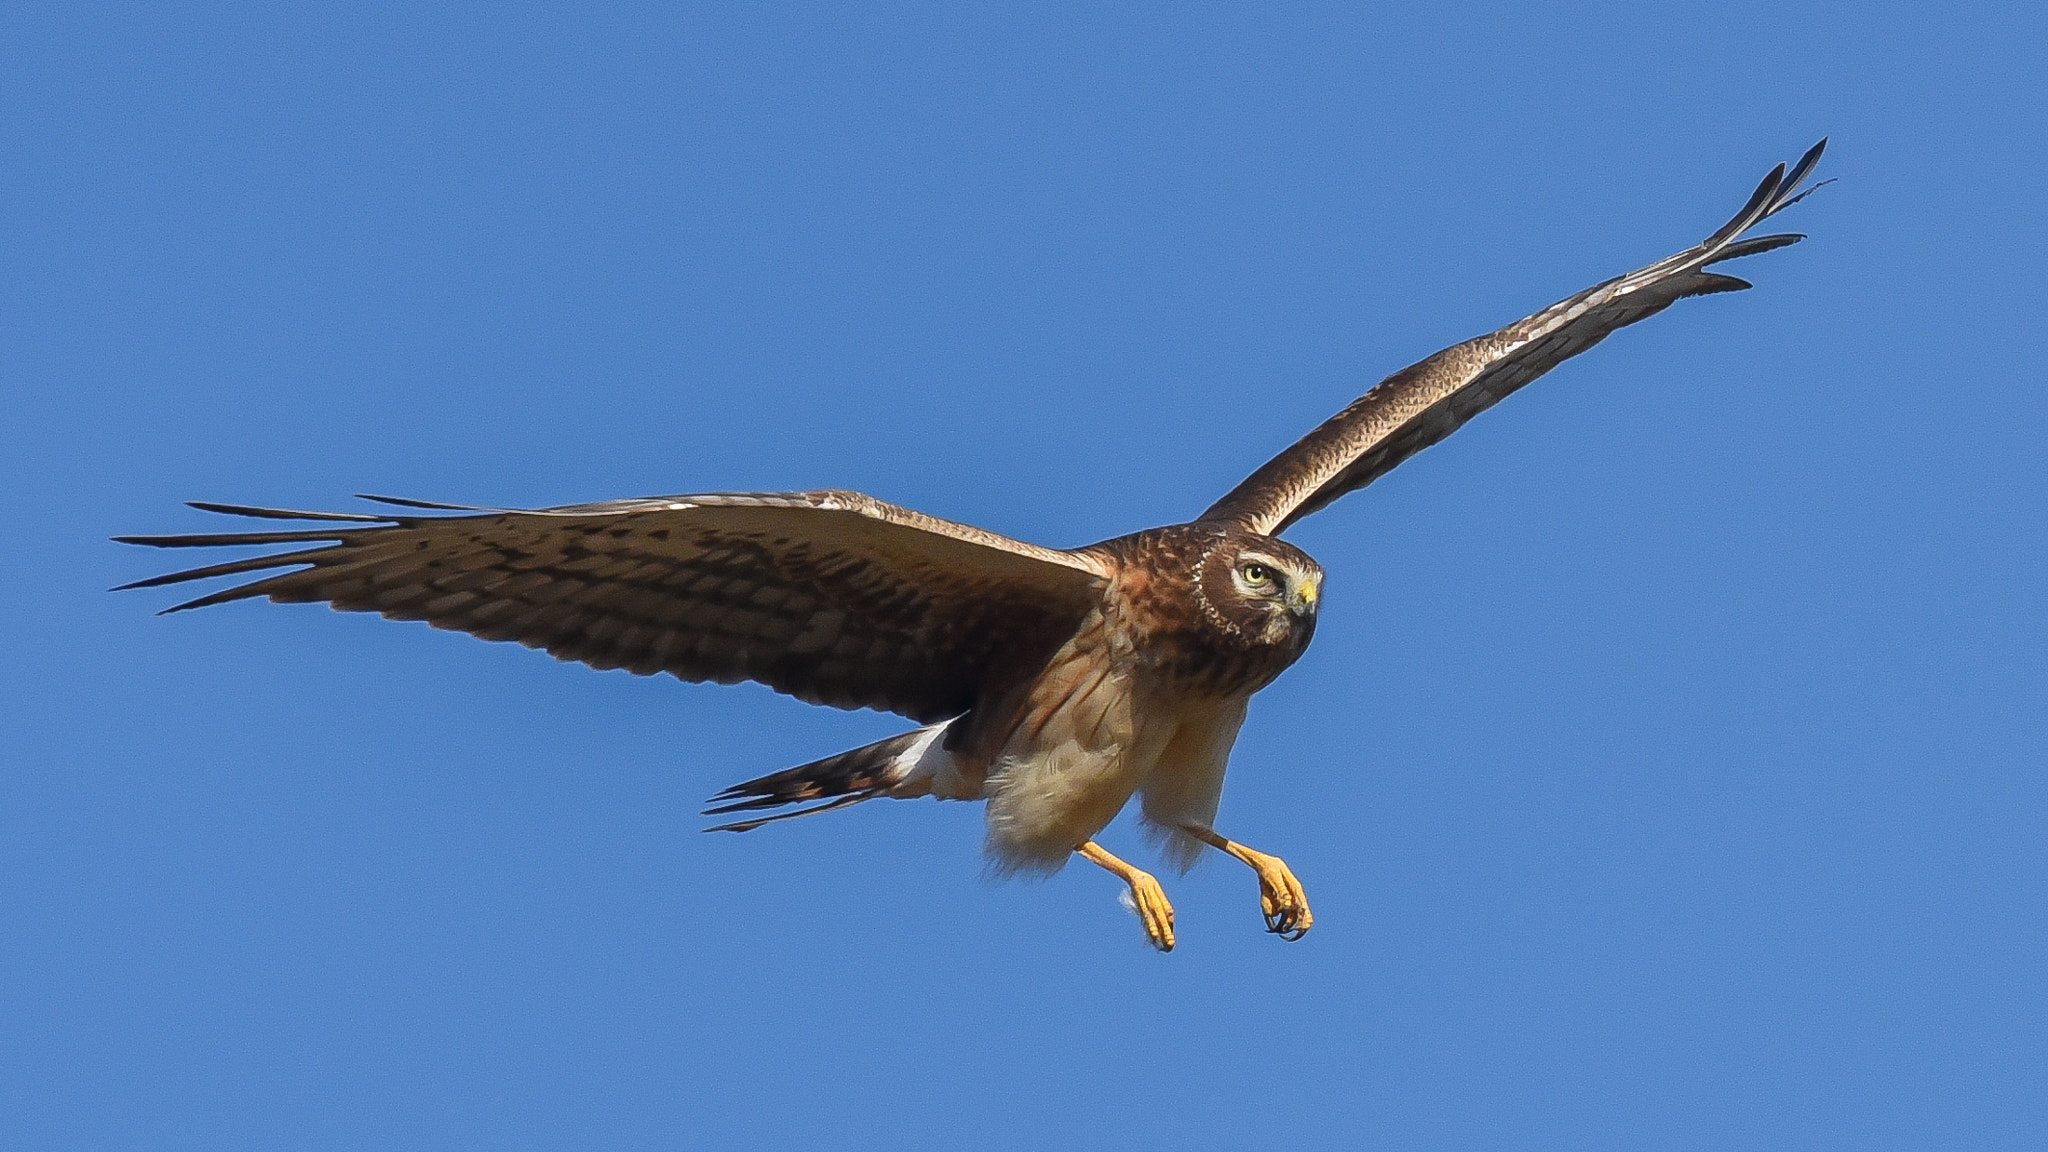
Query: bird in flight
x,y
1052,684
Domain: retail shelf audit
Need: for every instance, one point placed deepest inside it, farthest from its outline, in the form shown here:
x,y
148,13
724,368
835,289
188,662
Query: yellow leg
x,y
1280,894
1146,893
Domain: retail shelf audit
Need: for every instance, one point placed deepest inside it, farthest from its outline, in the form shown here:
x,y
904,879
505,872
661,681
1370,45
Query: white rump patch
x,y
925,768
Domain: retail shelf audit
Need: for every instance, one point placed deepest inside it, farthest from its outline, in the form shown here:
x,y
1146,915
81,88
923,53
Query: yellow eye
x,y
1256,574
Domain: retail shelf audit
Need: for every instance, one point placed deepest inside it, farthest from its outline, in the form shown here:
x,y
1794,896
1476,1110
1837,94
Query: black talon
x,y
1286,924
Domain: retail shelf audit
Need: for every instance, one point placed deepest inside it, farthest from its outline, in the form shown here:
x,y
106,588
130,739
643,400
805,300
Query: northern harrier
x,y
1053,684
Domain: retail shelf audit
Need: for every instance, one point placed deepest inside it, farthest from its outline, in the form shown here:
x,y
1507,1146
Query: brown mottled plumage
x,y
1053,684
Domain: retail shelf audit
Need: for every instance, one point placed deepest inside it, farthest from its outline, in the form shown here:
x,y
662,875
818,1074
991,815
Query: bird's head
x,y
1260,590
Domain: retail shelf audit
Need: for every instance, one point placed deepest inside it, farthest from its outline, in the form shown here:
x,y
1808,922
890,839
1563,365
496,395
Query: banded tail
x,y
901,766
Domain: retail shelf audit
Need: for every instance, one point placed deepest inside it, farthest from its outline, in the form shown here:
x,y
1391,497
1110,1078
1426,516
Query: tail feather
x,y
750,825
848,778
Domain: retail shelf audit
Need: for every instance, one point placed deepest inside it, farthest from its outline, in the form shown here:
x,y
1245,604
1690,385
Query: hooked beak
x,y
1303,602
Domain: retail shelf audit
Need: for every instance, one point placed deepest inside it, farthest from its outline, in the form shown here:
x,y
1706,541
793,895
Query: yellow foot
x,y
1147,898
1280,894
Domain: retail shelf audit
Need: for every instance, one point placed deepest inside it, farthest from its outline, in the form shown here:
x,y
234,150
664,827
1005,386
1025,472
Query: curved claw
x,y
1280,896
1149,901
1286,925
1145,897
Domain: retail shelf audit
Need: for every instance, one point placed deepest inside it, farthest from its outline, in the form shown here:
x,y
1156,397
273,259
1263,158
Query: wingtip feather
x,y
1753,210
1708,283
283,513
1803,167
224,596
1755,245
404,502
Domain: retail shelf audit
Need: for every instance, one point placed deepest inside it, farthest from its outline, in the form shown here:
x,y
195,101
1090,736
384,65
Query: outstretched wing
x,y
1425,402
832,597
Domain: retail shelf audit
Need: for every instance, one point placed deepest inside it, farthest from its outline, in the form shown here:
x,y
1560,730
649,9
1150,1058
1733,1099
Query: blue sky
x,y
1667,772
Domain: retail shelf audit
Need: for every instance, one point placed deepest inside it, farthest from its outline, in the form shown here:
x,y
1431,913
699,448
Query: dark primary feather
x,y
1425,402
832,597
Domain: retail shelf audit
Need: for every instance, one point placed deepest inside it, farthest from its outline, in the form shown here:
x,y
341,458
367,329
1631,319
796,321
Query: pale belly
x,y
1051,790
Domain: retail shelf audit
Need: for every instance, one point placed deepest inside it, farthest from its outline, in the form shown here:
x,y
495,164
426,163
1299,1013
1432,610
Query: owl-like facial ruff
x,y
1260,592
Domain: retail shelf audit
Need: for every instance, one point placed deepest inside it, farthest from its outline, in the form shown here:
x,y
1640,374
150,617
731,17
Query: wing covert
x,y
832,597
1427,401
